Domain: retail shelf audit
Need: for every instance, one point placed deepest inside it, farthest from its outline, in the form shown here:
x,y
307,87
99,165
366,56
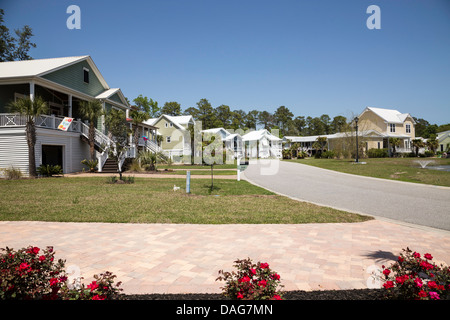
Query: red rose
x,y
416,255
253,271
276,297
93,285
400,259
53,282
386,272
428,256
24,266
388,285
262,283
97,297
264,265
432,285
276,276
240,296
41,258
244,279
422,294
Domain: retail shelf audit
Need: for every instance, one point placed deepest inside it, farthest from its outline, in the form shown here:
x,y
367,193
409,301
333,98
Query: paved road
x,y
413,203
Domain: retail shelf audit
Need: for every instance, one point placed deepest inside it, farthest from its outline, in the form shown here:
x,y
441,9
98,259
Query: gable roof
x,y
110,92
178,121
389,115
40,67
259,134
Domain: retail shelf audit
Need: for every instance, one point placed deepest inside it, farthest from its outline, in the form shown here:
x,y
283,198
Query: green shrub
x,y
413,277
428,153
251,282
91,164
327,154
49,170
33,274
377,153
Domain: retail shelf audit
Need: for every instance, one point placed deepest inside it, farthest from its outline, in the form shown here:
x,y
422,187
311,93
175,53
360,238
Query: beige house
x,y
175,135
382,124
375,127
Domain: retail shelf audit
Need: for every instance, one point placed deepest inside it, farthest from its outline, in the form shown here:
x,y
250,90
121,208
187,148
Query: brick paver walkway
x,y
168,258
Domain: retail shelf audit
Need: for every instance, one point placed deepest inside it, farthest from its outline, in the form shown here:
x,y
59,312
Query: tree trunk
x,y
92,140
31,141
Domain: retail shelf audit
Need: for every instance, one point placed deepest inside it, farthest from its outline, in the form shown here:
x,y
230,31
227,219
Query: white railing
x,y
150,145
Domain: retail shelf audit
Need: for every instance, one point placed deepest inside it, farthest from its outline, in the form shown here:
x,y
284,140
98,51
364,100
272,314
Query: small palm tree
x,y
432,144
91,111
138,117
417,144
31,109
395,142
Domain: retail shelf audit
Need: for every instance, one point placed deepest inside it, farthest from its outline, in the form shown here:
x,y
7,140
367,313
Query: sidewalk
x,y
169,258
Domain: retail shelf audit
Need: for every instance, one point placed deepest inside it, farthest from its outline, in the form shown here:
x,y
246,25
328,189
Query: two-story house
x,y
63,83
382,124
175,133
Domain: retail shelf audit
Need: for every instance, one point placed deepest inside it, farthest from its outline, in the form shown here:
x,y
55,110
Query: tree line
x,y
282,119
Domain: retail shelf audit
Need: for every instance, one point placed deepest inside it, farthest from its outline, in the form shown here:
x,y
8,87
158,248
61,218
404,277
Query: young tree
x,y
224,115
282,117
91,111
31,109
206,114
137,117
251,119
118,130
11,48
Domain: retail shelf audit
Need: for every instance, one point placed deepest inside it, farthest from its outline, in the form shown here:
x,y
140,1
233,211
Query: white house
x,y
232,141
262,144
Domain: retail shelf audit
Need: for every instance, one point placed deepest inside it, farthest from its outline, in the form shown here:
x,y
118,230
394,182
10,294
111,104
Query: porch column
x,y
32,90
70,105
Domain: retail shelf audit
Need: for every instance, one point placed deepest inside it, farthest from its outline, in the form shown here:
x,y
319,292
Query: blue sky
x,y
314,57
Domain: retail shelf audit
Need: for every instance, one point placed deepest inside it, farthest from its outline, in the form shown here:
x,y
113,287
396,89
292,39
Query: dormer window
x,y
392,127
86,75
408,128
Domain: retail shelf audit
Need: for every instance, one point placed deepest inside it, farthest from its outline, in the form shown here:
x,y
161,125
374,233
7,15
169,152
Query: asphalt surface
x,y
411,203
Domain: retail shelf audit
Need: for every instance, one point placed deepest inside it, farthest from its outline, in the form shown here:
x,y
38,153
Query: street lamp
x,y
356,127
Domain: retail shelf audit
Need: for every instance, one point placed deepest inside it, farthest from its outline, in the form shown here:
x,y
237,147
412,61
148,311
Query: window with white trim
x,y
168,139
392,127
408,128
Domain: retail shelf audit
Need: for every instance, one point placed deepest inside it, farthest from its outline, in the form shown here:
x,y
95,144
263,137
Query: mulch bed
x,y
353,294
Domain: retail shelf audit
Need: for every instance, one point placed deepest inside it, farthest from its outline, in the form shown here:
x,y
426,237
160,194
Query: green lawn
x,y
91,199
403,169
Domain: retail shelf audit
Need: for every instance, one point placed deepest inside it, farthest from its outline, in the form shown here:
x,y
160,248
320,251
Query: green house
x,y
444,141
63,83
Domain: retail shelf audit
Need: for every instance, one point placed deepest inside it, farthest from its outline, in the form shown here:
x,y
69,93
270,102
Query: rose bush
x,y
32,273
414,277
251,281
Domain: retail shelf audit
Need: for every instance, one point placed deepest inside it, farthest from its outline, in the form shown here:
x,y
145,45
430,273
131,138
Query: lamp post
x,y
356,127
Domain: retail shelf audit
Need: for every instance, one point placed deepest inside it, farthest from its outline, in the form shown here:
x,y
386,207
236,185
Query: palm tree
x,y
31,109
91,111
395,142
417,144
432,144
138,117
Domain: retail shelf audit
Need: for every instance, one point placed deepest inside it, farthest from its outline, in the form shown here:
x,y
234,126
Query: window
x,y
86,75
408,128
379,145
171,124
392,127
168,139
166,124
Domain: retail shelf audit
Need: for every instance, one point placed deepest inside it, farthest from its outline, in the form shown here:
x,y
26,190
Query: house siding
x,y
14,149
72,77
74,149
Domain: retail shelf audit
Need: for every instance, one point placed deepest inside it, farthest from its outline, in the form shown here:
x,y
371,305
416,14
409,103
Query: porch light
x,y
356,128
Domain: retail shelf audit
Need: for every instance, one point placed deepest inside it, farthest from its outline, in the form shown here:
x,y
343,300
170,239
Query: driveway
x,y
412,203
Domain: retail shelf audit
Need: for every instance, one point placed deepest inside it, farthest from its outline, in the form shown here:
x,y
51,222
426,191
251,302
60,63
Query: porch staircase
x,y
110,166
